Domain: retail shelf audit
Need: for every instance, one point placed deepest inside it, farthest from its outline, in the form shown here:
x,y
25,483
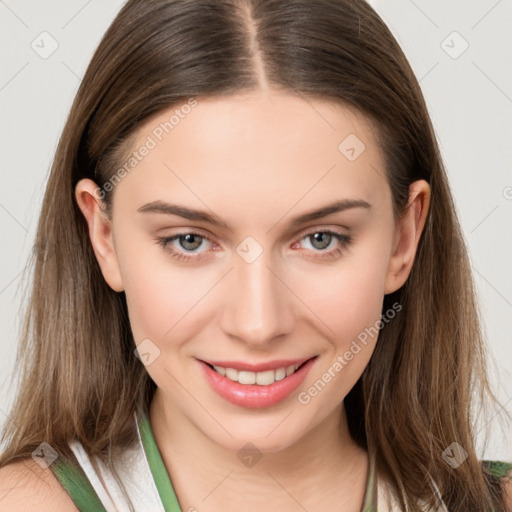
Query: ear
x,y
100,231
407,235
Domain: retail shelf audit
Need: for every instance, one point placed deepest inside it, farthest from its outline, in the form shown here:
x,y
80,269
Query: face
x,y
223,262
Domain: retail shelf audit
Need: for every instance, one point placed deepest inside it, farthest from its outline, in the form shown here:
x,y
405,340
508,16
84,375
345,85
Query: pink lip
x,y
254,395
261,367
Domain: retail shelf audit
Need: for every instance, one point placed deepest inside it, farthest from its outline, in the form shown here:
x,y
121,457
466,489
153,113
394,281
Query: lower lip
x,y
253,395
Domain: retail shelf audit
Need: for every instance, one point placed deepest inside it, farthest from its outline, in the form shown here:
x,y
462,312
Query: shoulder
x,y
24,485
507,488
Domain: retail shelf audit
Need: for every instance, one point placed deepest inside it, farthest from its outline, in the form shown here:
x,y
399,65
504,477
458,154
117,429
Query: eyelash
x,y
343,240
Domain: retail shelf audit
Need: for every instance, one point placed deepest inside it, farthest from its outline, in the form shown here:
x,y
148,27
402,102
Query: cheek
x,y
162,307
167,303
157,294
351,310
349,305
350,297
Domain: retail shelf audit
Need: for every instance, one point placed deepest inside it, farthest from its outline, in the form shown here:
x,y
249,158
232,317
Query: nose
x,y
259,304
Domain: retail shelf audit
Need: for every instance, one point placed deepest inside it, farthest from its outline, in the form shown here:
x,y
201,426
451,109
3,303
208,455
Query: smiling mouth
x,y
263,378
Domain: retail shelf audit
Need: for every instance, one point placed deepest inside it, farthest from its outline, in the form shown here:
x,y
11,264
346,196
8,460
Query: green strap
x,y
158,470
497,468
75,481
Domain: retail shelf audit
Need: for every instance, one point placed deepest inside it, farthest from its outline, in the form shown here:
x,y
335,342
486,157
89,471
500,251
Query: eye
x,y
321,240
184,246
188,242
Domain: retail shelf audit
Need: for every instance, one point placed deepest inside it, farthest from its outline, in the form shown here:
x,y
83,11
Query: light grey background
x,y
469,94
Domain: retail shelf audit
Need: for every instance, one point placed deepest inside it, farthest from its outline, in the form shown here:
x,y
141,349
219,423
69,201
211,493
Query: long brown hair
x,y
79,376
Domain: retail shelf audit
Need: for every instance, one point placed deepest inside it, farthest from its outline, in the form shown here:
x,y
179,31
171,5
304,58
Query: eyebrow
x,y
202,216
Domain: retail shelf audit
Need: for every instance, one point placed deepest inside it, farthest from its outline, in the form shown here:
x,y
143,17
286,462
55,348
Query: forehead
x,y
273,147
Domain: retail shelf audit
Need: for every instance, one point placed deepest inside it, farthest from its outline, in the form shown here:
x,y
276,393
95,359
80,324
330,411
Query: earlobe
x,y
100,232
407,235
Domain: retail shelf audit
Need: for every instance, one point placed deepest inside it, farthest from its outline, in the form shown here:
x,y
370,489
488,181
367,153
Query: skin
x,y
256,161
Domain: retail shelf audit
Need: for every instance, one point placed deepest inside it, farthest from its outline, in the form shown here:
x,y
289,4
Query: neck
x,y
322,468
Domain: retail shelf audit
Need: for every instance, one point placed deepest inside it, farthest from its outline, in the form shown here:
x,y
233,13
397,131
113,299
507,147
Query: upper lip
x,y
259,367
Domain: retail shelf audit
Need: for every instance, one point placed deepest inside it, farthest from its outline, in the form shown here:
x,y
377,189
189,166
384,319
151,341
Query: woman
x,y
251,288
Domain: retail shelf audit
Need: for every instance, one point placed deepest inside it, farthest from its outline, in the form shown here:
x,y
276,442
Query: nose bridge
x,y
257,309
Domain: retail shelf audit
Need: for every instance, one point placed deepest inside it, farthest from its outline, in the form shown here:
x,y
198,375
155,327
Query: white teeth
x,y
261,378
220,370
265,378
280,373
290,370
246,377
232,374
